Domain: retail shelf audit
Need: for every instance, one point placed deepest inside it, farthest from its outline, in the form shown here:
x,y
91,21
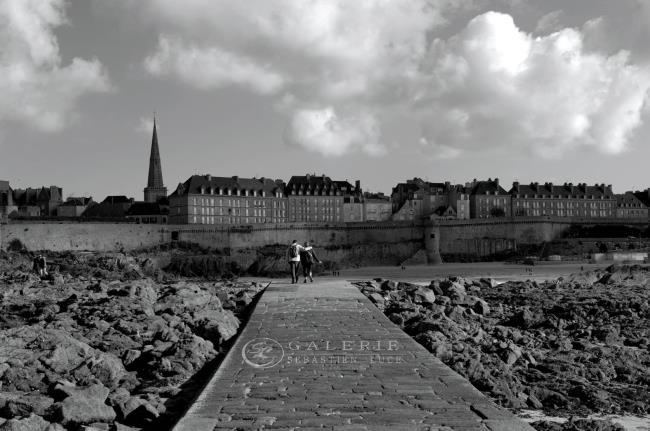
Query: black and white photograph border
x,y
324,214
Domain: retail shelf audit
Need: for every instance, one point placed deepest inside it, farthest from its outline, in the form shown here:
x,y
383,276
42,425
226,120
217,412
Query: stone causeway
x,y
321,356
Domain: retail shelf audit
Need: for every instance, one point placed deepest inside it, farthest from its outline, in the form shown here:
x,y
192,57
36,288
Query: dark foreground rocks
x,y
573,346
115,348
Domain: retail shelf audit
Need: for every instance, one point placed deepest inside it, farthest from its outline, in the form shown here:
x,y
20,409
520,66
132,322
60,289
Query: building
x,y
155,189
42,202
113,208
377,207
458,197
204,199
487,199
149,212
313,198
7,205
567,200
74,207
416,199
628,206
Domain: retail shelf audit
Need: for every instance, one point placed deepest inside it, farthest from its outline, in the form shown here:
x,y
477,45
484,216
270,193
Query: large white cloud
x,y
336,67
494,85
331,134
36,88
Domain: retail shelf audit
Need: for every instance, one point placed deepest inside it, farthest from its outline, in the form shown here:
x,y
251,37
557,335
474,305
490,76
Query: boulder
x,y
27,404
424,296
84,406
481,307
31,423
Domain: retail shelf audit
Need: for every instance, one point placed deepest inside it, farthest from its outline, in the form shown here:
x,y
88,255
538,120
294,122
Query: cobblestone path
x,y
321,356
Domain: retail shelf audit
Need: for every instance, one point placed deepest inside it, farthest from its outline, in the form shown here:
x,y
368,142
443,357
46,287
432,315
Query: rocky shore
x,y
570,348
108,342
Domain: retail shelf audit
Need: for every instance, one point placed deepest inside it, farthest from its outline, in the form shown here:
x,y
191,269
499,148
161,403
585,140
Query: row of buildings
x,y
416,199
212,200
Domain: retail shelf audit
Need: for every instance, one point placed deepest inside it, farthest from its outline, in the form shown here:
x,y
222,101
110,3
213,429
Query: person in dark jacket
x,y
307,259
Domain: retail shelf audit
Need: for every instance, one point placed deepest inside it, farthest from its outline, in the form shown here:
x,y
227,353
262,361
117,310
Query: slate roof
x,y
628,200
194,184
491,187
77,202
320,185
30,196
566,190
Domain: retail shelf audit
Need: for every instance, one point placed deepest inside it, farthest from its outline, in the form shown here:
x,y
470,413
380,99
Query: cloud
x,y
326,132
549,22
335,68
36,88
213,67
493,85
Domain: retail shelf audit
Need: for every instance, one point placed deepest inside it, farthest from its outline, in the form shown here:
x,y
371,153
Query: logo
x,y
262,353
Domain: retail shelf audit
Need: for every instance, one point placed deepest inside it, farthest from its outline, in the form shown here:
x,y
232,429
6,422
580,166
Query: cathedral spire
x,y
155,188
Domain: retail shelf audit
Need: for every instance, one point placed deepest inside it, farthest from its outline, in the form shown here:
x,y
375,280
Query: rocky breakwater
x,y
571,347
108,352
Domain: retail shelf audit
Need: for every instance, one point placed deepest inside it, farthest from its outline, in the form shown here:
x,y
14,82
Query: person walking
x,y
307,258
293,256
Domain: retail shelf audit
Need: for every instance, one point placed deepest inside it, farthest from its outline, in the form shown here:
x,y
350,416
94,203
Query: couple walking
x,y
303,255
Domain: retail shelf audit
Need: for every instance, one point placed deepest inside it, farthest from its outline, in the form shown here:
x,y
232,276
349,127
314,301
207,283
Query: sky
x,y
376,90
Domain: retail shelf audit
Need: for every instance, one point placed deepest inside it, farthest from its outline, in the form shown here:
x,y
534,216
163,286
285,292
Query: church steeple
x,y
155,188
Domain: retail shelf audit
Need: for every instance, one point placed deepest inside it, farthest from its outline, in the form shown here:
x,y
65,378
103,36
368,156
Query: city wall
x,y
356,243
379,242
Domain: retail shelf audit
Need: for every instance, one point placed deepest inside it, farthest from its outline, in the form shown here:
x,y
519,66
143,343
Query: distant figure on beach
x,y
307,258
40,266
293,256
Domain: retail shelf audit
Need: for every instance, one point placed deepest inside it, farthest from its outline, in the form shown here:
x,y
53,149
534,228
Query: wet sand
x,y
497,270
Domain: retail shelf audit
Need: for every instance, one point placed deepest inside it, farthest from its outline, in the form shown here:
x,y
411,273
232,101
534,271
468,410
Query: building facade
x,y
313,198
42,202
377,207
7,205
208,200
487,199
74,207
628,206
567,200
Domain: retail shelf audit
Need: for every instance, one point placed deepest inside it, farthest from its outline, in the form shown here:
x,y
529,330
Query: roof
x,y
566,190
108,209
491,187
319,185
417,184
643,196
196,183
32,196
628,199
76,202
147,208
117,199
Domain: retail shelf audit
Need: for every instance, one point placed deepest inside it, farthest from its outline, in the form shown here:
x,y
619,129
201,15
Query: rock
x,y
26,404
142,415
424,296
481,307
130,356
78,410
31,423
107,368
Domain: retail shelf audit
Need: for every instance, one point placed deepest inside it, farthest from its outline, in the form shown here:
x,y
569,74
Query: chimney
x,y
515,186
496,180
208,177
357,185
